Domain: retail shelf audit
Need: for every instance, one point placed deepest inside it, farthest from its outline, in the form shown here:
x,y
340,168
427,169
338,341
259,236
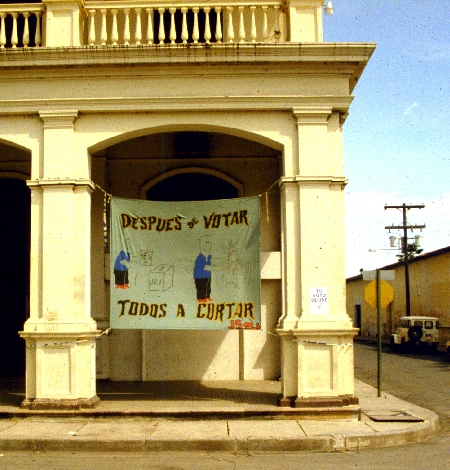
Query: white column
x,y
138,30
149,26
207,34
184,28
103,33
241,24
265,29
230,27
218,34
114,27
14,36
162,32
253,24
37,37
195,30
173,31
26,29
126,28
91,35
60,333
2,30
316,333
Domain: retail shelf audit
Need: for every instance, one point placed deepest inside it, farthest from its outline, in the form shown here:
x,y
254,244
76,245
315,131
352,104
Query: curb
x,y
241,445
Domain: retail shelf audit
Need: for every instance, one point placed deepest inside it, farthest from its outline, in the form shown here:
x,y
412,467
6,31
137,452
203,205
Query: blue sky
x,y
397,136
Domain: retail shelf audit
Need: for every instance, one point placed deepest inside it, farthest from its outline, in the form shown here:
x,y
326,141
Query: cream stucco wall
x,y
274,114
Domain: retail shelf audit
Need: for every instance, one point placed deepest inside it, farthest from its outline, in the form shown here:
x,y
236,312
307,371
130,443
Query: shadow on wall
x,y
173,355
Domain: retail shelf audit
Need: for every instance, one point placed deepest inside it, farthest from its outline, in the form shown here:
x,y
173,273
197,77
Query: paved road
x,y
423,380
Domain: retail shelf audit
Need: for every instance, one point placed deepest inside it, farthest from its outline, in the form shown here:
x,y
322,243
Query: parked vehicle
x,y
415,330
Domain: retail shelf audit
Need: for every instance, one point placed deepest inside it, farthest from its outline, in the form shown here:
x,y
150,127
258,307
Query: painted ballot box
x,y
160,278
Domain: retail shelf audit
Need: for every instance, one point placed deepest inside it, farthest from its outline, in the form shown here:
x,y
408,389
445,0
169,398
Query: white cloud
x,y
410,109
366,220
437,51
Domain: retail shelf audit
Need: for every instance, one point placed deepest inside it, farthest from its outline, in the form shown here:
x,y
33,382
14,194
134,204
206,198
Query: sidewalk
x,y
232,416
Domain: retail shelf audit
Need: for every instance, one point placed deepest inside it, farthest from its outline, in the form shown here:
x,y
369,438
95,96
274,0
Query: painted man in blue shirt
x,y
121,270
202,272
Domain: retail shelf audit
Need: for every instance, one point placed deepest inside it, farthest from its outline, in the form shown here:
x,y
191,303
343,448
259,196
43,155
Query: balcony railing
x,y
126,24
103,23
20,25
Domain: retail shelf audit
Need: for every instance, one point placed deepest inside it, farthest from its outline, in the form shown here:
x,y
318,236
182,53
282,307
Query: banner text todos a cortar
x,y
185,265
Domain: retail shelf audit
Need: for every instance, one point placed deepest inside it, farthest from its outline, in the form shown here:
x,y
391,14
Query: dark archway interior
x,y
191,187
14,274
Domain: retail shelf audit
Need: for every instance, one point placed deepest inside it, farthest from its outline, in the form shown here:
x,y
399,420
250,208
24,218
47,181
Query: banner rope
x,y
308,342
107,332
109,196
106,200
266,194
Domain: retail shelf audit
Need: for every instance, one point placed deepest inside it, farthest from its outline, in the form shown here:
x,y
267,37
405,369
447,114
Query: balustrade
x,y
124,23
139,22
20,25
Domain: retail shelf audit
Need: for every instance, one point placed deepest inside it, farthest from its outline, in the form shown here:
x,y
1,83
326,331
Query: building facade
x,y
157,100
429,277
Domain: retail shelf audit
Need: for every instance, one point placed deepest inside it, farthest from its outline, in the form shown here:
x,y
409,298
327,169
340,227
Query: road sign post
x,y
379,294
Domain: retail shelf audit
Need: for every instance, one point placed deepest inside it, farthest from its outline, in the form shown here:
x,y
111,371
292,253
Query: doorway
x,y
15,212
357,320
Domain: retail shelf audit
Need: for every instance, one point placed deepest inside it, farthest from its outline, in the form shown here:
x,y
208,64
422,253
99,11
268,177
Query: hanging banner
x,y
185,265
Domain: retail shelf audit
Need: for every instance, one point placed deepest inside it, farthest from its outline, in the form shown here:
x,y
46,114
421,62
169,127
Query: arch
x,y
193,170
10,143
251,136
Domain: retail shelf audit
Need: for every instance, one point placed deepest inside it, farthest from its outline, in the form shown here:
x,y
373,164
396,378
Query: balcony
x,y
146,23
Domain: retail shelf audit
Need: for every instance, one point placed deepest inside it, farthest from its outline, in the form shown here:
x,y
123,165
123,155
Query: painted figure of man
x,y
121,270
202,272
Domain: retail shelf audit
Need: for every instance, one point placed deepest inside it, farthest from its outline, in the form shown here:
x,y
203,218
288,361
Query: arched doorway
x,y
191,187
186,166
14,273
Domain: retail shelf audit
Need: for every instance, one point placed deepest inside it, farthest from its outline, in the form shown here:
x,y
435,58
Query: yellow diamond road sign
x,y
387,294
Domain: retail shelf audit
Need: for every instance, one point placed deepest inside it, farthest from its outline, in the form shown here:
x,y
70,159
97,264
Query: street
x,y
421,379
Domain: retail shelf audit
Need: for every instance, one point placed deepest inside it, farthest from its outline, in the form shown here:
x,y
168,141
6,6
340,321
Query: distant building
x,y
429,276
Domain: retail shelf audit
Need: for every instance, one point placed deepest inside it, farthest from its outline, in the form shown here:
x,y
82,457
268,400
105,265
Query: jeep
x,y
420,331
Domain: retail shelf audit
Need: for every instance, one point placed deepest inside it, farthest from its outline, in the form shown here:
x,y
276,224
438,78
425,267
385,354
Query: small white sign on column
x,y
319,300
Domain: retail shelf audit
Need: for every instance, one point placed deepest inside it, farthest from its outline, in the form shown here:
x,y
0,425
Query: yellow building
x,y
429,277
143,97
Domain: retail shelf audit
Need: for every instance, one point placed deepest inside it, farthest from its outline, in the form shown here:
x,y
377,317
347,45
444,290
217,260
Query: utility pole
x,y
405,227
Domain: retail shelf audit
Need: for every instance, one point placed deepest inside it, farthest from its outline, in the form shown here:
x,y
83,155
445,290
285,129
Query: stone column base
x,y
54,404
317,367
60,369
318,402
